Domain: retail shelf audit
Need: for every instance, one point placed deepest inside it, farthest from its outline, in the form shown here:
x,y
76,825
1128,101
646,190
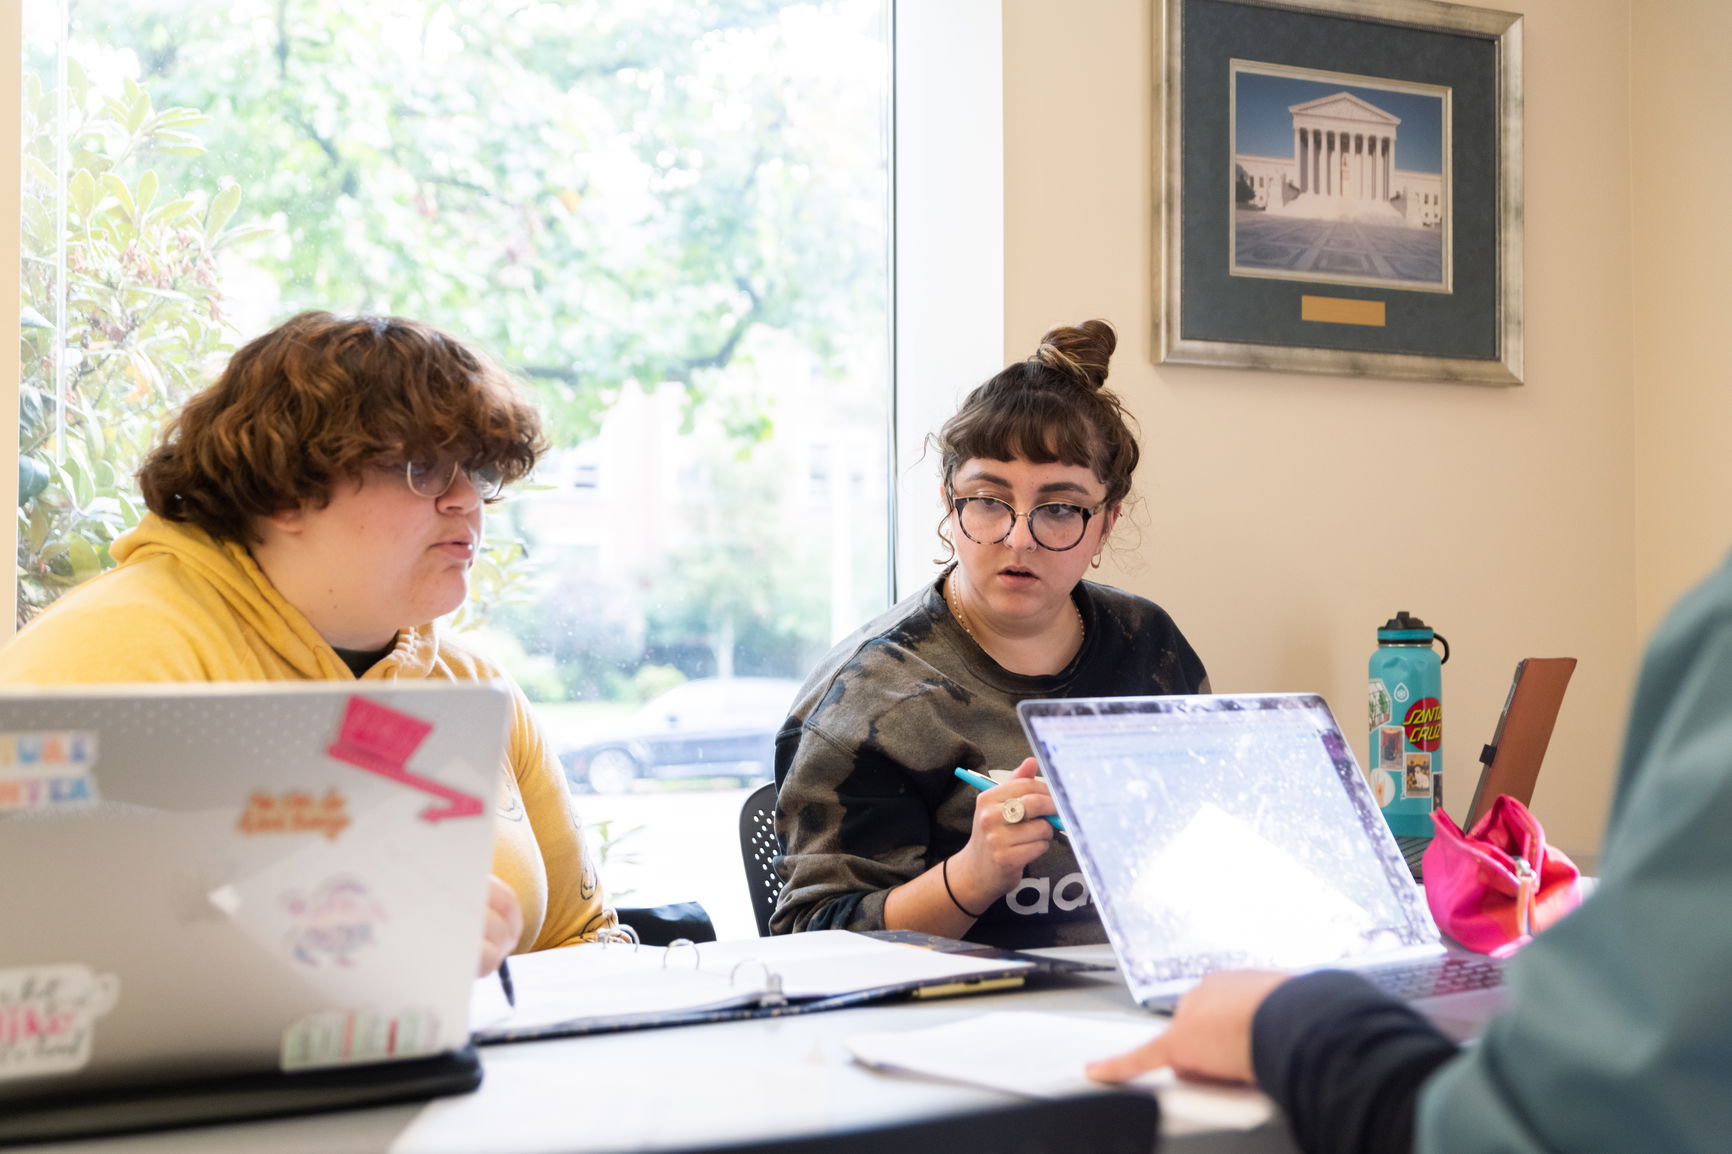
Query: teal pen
x,y
982,782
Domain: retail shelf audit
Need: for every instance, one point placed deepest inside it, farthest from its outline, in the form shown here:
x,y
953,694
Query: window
x,y
670,219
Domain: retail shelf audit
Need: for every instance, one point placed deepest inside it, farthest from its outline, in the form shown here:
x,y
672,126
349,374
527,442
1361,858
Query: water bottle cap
x,y
1404,626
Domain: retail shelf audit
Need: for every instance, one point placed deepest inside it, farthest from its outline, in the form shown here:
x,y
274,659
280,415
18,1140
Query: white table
x,y
665,1089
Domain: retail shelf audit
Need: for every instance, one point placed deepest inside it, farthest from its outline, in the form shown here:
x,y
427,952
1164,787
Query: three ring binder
x,y
585,989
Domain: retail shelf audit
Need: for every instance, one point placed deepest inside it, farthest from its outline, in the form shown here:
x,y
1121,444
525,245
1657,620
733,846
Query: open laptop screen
x,y
1225,831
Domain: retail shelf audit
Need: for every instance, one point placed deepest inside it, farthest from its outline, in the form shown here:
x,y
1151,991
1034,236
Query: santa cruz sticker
x,y
1424,724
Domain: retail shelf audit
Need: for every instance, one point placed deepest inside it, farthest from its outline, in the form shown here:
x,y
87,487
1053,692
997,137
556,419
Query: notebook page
x,y
1041,1055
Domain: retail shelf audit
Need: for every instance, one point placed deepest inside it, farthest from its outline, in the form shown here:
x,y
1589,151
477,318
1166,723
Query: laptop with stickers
x,y
237,900
1236,831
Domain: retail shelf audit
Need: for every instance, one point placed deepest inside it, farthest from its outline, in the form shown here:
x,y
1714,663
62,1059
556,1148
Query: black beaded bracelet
x,y
945,870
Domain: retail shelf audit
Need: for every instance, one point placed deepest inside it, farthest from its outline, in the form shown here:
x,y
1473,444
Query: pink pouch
x,y
1494,887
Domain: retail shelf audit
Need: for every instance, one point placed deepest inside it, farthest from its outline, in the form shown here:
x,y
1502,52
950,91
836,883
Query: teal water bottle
x,y
1405,766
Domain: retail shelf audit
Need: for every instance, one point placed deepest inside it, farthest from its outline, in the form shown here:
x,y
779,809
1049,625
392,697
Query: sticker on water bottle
x,y
1391,739
1416,782
1381,707
1424,725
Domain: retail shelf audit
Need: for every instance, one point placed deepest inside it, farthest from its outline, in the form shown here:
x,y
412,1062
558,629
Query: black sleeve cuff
x,y
1345,1062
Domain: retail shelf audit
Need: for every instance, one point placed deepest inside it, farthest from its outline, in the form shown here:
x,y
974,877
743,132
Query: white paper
x,y
694,1096
1039,1055
826,962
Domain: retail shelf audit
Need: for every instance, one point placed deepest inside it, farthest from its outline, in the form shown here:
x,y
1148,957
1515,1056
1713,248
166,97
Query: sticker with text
x,y
340,1037
296,811
49,768
48,1017
333,922
1423,724
381,740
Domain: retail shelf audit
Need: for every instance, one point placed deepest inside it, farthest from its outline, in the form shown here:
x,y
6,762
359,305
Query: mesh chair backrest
x,y
758,852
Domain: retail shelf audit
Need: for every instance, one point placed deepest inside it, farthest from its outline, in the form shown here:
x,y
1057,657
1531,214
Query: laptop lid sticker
x,y
355,1037
39,769
48,1017
333,923
374,737
295,811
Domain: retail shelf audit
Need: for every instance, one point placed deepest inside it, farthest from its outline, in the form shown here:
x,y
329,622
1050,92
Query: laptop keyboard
x,y
1433,977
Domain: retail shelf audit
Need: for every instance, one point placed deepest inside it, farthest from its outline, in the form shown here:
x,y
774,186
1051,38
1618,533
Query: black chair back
x,y
758,852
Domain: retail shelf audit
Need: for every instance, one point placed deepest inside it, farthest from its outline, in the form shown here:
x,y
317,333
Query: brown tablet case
x,y
1511,763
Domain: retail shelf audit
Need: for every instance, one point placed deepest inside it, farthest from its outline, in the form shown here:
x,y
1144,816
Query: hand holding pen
x,y
1003,838
1012,809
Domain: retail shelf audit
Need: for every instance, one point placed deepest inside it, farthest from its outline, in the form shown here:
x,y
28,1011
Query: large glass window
x,y
670,219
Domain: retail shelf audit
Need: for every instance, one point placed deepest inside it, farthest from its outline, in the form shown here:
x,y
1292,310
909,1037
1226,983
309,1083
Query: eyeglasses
x,y
434,478
1055,526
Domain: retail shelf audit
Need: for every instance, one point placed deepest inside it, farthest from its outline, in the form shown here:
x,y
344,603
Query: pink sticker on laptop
x,y
381,740
377,737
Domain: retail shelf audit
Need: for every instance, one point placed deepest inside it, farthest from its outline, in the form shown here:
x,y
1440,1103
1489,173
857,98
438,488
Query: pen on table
x,y
505,984
982,782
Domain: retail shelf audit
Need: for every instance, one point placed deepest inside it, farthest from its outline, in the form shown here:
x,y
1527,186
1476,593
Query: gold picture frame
x,y
1385,240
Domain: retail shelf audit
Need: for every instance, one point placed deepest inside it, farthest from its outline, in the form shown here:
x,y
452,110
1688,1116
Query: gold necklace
x,y
953,599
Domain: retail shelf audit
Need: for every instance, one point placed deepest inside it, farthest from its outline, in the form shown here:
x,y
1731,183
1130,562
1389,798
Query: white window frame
x,y
947,263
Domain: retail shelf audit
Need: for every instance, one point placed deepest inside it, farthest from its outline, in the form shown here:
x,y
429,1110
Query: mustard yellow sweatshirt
x,y
182,606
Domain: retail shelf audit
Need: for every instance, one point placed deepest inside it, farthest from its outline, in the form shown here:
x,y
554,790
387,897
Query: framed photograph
x,y
1339,187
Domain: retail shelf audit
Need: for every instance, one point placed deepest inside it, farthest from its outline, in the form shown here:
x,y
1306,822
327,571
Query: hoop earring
x,y
1096,563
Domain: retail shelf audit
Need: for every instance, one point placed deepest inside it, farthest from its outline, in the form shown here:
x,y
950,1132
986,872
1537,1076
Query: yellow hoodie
x,y
182,606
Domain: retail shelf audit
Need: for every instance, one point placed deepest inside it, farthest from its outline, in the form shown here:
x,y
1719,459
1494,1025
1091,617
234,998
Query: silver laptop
x,y
1229,831
215,881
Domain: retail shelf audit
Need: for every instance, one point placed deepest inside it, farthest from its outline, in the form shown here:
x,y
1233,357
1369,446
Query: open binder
x,y
602,988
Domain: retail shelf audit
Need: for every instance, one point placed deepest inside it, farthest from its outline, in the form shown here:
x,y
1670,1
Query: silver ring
x,y
1012,811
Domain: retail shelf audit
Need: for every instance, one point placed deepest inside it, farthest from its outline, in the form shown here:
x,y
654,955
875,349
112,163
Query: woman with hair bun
x,y
877,832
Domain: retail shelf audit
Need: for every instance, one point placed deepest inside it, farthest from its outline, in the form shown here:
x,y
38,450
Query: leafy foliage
x,y
144,324
611,195
143,316
600,192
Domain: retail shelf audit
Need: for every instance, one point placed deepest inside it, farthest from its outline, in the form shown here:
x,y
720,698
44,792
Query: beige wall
x,y
1286,516
1681,96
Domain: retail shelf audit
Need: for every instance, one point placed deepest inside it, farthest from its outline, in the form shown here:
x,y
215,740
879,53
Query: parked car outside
x,y
708,727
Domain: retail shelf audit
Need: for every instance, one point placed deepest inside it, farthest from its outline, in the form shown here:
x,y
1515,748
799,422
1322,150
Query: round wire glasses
x,y
1055,526
435,478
